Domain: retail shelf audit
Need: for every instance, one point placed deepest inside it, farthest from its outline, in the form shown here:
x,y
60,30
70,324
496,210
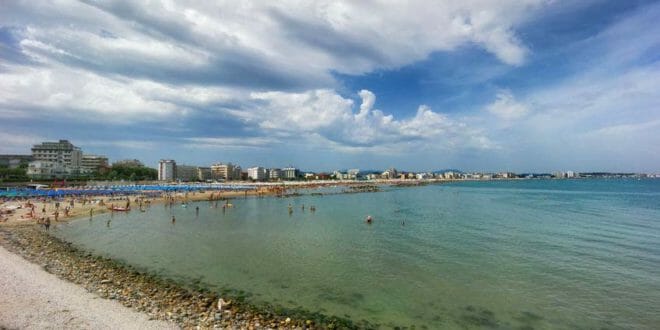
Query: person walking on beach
x,y
47,223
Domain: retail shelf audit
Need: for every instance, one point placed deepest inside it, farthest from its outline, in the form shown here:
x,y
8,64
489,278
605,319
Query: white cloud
x,y
323,115
63,91
506,107
292,40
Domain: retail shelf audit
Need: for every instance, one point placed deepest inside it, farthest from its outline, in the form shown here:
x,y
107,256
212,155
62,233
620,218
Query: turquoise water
x,y
503,254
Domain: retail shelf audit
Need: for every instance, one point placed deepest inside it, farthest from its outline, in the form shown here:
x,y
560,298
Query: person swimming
x,y
369,219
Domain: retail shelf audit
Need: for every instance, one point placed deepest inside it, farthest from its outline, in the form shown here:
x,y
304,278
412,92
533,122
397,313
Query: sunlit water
x,y
535,254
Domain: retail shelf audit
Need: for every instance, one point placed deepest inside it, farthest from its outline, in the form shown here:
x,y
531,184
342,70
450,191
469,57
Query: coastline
x,y
158,298
35,299
187,306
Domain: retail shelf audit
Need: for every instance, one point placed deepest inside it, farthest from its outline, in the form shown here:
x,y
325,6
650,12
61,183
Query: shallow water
x,y
506,254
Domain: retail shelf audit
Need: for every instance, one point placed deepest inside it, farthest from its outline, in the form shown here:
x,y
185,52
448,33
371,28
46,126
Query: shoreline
x,y
60,304
23,213
187,305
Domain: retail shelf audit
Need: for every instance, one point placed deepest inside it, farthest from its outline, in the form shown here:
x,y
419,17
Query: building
x,y
93,163
204,174
63,153
237,173
166,170
14,161
128,163
391,173
256,173
41,169
186,173
289,173
275,174
226,172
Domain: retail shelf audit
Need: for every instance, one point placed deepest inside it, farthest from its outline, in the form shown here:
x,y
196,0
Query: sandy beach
x,y
38,272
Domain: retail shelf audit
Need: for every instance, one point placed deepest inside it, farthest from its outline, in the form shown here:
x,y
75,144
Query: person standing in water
x,y
196,210
173,220
47,223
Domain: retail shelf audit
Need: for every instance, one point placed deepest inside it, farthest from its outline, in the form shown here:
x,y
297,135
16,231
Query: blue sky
x,y
527,85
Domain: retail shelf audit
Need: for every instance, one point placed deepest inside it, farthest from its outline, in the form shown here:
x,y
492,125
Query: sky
x,y
479,85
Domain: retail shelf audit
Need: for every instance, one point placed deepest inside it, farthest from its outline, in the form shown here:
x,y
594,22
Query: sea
x,y
519,254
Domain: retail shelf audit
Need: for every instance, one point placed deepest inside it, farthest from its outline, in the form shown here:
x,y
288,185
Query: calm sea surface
x,y
507,254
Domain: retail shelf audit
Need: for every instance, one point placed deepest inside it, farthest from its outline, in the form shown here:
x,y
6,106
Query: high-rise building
x,y
63,153
166,170
257,173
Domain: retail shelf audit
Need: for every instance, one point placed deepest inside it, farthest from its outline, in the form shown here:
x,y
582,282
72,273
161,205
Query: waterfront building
x,y
166,170
390,174
227,171
15,161
128,163
289,173
62,152
423,176
204,174
186,173
93,163
42,169
275,174
256,173
237,174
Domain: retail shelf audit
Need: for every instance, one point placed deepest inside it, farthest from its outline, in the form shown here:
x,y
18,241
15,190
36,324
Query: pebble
x,y
159,298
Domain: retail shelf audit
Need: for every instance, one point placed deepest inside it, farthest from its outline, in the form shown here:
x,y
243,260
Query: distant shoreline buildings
x,y
62,160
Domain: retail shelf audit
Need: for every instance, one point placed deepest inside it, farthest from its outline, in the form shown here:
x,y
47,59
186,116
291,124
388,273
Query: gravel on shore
x,y
31,298
43,300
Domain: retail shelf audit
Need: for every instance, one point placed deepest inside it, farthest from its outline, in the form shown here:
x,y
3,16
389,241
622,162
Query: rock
x,y
288,320
223,303
106,281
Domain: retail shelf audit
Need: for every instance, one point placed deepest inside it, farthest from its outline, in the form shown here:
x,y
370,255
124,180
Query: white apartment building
x,y
166,170
41,169
257,173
